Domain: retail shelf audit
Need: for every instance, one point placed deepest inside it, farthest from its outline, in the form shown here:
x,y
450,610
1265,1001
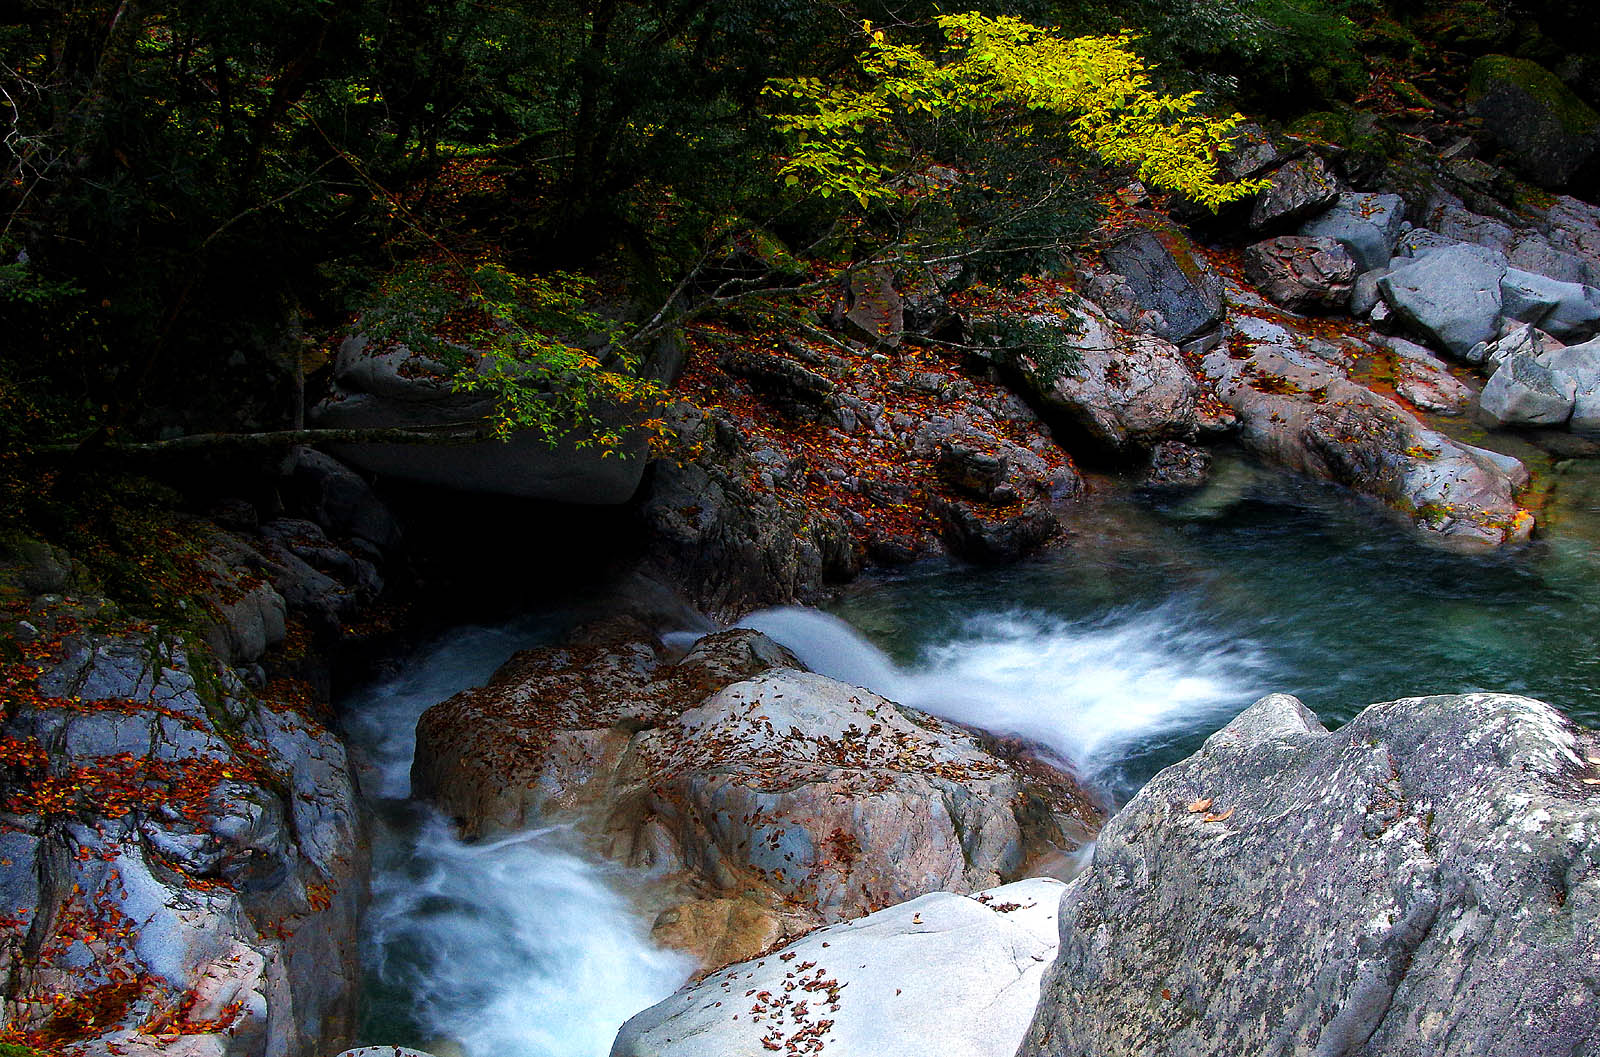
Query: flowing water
x,y
517,947
1156,623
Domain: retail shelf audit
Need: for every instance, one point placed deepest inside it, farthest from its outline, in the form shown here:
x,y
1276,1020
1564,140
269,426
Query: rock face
x,y
1298,408
761,795
944,974
391,388
1302,273
1425,880
1545,130
179,858
1167,279
1121,392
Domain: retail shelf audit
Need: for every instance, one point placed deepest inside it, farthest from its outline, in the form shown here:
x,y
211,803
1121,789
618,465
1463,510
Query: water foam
x,y
519,947
1090,691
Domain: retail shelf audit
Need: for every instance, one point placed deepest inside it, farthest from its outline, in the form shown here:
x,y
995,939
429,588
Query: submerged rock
x,y
782,798
1425,880
944,974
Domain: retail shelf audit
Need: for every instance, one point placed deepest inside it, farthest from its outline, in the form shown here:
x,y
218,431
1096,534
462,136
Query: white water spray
x,y
518,947
1089,691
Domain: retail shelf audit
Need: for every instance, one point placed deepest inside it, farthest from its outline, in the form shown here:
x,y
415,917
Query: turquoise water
x,y
1163,616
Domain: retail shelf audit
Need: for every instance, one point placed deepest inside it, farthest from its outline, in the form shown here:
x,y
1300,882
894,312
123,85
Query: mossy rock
x,y
1545,131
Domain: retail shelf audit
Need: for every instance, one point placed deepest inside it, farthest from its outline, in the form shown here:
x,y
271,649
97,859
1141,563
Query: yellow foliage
x,y
846,139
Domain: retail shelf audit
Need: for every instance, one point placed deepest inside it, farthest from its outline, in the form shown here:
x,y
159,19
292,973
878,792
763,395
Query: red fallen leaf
x,y
1201,805
1220,818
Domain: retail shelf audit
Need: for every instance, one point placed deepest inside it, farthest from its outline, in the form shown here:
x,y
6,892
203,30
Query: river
x,y
1158,620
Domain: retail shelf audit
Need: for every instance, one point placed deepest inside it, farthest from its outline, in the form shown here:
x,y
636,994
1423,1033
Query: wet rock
x,y
1301,188
1167,278
1425,380
735,774
1366,224
1544,130
947,974
1299,410
1302,273
1449,295
1423,880
1177,465
996,536
339,500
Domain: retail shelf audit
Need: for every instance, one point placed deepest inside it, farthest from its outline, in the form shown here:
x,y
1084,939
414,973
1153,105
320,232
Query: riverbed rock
x,y
1425,380
1167,278
944,974
1424,880
734,774
1581,363
1544,130
340,500
190,857
1298,408
1117,391
1525,392
1367,225
1301,188
393,387
1567,311
1450,295
1302,273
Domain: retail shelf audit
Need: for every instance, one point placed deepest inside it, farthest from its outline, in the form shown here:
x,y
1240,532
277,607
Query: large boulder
x,y
1449,295
1546,131
1302,273
1297,407
1568,311
1301,188
1119,392
1167,278
393,387
1366,224
1525,392
1425,880
944,974
759,794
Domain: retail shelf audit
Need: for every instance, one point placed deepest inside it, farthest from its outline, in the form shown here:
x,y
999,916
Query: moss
x,y
1574,115
10,1049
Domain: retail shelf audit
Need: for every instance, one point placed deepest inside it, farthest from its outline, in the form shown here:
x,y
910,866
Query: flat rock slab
x,y
952,975
1425,880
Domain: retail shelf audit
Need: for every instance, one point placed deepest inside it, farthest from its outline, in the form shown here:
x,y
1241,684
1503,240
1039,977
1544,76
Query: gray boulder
x,y
1425,880
1568,311
1167,278
1544,130
396,388
1525,392
1250,153
340,500
1120,391
1367,224
1302,272
1301,188
1581,363
1450,295
945,974
1518,338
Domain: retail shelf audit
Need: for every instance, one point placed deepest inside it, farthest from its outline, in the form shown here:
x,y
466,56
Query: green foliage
x,y
848,139
532,344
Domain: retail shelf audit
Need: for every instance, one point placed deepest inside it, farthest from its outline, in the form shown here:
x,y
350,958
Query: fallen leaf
x,y
1220,818
1200,805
